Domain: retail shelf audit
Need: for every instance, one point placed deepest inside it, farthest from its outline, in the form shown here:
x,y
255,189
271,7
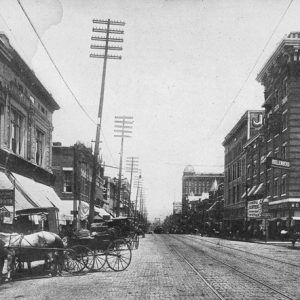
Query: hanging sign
x,y
7,197
278,163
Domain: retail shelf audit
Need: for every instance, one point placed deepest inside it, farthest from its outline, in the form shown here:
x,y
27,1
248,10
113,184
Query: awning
x,y
38,195
260,189
5,183
251,190
21,202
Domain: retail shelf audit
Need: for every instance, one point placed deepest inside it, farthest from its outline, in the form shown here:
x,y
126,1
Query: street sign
x,y
7,197
278,163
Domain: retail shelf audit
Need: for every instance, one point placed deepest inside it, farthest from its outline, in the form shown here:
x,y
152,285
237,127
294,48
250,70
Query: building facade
x,y
72,167
197,184
26,110
262,177
280,153
237,168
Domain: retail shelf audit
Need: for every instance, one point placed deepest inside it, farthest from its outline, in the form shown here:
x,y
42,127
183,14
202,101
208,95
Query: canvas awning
x,y
21,202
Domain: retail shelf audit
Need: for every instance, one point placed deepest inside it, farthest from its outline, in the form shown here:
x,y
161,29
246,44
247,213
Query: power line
x,y
251,70
54,64
60,74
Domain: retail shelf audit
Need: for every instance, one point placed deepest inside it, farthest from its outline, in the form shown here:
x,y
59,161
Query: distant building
x,y
72,167
197,185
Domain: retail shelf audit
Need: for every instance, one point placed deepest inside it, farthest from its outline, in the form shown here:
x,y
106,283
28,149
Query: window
x,y
276,152
248,171
283,185
284,87
16,132
275,192
284,151
1,123
268,188
276,97
40,147
284,121
67,182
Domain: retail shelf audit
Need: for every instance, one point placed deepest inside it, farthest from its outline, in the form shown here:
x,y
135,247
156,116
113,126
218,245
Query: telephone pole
x,y
107,31
137,185
123,127
132,167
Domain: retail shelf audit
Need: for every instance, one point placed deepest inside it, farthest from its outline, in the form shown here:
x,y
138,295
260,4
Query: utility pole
x,y
132,167
106,47
123,127
139,180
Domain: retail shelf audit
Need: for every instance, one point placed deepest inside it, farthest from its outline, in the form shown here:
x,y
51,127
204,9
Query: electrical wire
x,y
54,64
61,76
250,72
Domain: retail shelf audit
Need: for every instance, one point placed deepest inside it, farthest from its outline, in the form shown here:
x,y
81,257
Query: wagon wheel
x,y
118,255
136,241
78,258
99,260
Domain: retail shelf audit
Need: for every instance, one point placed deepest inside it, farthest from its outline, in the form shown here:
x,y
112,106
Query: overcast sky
x,y
183,65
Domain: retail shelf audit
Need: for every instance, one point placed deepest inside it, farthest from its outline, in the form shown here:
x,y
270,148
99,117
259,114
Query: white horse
x,y
41,245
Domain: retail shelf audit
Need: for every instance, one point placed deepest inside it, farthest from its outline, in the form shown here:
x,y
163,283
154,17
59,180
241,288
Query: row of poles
x,y
123,124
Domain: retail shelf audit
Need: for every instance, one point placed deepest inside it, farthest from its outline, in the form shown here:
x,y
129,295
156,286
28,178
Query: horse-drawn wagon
x,y
108,243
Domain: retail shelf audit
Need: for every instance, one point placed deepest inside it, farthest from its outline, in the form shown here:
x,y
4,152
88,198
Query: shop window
x,y
68,182
283,185
16,132
40,147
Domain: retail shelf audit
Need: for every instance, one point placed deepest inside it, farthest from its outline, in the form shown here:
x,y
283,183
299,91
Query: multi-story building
x,y
236,168
280,77
26,110
195,184
72,167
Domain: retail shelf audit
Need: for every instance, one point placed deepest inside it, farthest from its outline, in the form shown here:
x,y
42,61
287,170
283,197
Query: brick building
x,y
280,139
26,109
72,167
270,157
237,169
196,184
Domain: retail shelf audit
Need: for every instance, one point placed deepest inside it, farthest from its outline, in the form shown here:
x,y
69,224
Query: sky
x,y
187,74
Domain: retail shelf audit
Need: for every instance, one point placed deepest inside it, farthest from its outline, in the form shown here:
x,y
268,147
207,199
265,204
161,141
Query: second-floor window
x,y
67,182
283,185
40,147
16,132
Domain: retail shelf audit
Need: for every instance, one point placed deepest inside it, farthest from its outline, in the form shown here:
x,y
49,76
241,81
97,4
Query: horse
x,y
31,247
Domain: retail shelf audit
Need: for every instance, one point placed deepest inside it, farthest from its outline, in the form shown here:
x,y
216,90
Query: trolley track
x,y
217,291
246,252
